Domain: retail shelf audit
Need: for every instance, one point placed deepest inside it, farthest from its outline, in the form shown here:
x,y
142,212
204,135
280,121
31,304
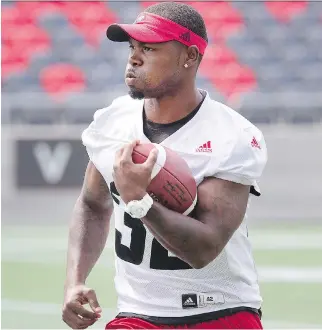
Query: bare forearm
x,y
87,237
188,238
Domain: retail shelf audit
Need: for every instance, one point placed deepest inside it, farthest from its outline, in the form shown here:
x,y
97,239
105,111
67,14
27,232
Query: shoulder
x,y
107,122
229,128
241,145
119,107
230,119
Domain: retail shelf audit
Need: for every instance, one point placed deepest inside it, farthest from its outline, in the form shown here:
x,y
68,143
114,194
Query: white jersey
x,y
150,280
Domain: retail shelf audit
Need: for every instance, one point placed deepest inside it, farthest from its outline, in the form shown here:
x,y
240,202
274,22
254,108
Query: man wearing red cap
x,y
172,270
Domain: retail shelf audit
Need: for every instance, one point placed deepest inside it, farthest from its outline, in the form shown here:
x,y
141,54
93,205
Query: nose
x,y
135,58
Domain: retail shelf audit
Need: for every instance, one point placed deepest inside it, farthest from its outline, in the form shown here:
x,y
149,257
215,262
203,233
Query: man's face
x,y
153,70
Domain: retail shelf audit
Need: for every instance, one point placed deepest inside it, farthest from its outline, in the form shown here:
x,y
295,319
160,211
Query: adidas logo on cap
x,y
185,36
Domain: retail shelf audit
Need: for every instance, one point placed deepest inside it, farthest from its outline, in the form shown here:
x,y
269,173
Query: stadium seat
x,y
32,39
133,8
313,34
12,61
14,16
310,75
113,52
221,18
145,4
220,54
28,39
256,50
90,20
314,11
61,79
19,82
66,48
55,24
220,66
40,61
232,79
39,8
252,11
101,74
250,53
271,74
284,11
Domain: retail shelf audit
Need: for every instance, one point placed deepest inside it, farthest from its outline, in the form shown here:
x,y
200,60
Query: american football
x,y
172,182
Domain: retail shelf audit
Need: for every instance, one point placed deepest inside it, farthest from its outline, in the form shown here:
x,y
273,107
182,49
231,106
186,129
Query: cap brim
x,y
139,32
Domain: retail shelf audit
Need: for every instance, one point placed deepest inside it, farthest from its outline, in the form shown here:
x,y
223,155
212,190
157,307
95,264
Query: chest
x,y
198,144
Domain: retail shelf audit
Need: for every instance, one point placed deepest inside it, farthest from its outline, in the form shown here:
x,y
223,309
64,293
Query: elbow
x,y
205,257
98,207
201,263
198,265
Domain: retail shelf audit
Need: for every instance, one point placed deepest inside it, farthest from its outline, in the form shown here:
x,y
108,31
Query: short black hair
x,y
182,14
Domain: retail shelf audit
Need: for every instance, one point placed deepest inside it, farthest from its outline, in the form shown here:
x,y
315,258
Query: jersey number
x,y
134,254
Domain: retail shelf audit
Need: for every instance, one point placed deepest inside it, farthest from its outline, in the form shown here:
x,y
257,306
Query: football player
x,y
172,270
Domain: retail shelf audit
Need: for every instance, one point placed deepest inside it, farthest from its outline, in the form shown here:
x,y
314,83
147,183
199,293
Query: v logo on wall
x,y
49,163
52,161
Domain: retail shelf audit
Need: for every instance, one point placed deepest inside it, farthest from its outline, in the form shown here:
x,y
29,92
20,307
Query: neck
x,y
169,109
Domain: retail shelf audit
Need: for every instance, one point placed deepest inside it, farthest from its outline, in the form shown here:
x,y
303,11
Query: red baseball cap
x,y
151,28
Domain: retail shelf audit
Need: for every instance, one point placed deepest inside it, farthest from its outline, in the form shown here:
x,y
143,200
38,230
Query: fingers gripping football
x,y
132,179
157,170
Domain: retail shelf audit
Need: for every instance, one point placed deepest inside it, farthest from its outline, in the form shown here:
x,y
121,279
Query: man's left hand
x,y
131,180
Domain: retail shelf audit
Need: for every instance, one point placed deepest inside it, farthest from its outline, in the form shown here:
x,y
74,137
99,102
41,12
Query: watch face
x,y
137,212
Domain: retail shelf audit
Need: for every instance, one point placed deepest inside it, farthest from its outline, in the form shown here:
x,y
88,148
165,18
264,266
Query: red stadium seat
x,y
59,80
12,61
25,38
221,18
145,4
7,35
14,16
220,54
91,19
284,11
20,33
38,8
231,78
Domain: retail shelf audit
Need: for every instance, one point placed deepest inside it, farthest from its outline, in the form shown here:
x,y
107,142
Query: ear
x,y
192,57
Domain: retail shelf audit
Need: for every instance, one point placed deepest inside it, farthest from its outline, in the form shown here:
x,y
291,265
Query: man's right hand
x,y
74,314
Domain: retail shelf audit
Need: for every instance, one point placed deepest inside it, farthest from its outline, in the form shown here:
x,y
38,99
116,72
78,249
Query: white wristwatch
x,y
139,209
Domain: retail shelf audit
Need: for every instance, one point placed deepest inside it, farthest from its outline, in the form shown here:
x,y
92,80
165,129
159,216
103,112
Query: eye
x,y
147,49
131,46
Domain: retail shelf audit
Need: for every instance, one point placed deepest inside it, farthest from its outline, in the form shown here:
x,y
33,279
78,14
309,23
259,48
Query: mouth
x,y
130,75
130,79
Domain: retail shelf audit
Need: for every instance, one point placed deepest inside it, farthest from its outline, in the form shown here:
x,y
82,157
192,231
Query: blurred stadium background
x,y
264,60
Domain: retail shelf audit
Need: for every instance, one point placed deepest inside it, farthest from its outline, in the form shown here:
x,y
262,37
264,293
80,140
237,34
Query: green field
x,y
289,262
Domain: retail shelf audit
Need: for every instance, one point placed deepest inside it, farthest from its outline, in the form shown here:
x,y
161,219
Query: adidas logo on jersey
x,y
255,144
189,301
206,147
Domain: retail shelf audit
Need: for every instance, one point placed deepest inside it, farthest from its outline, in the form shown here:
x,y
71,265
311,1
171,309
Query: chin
x,y
136,94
